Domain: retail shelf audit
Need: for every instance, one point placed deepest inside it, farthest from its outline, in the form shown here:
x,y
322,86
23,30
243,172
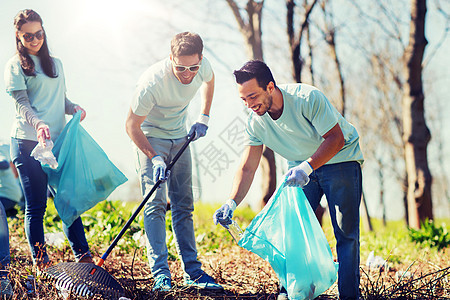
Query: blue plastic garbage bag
x,y
286,233
84,176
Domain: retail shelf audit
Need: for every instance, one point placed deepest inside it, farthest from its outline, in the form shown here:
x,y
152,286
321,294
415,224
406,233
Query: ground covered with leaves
x,y
406,271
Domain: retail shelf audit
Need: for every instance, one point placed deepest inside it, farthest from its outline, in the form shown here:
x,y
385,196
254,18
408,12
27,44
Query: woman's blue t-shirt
x,y
46,94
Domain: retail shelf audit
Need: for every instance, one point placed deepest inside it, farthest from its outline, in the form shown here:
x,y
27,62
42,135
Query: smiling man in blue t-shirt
x,y
156,123
298,122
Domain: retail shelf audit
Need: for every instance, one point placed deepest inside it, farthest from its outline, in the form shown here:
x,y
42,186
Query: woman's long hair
x,y
47,64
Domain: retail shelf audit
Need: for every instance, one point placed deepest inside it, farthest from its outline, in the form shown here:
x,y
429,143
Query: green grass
x,y
211,237
391,242
104,222
216,247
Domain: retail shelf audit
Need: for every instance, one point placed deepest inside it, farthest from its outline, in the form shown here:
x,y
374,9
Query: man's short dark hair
x,y
186,44
254,69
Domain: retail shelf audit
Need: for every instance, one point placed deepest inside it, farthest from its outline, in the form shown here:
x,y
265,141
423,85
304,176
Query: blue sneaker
x,y
162,283
204,281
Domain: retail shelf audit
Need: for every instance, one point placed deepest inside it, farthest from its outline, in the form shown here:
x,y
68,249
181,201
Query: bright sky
x,y
106,45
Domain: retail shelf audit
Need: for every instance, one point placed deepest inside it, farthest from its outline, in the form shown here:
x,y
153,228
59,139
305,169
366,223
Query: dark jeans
x,y
10,206
342,185
34,184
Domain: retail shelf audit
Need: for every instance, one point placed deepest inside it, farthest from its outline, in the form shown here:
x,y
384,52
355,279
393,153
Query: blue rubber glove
x,y
299,176
224,214
159,169
4,164
199,129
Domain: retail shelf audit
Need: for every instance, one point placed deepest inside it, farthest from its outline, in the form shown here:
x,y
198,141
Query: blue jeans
x,y
34,184
179,189
342,185
10,204
5,257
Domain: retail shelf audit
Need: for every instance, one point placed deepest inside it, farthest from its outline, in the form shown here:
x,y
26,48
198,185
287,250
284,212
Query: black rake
x,y
87,279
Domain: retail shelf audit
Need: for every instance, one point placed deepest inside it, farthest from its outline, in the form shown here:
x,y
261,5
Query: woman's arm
x,y
71,108
24,109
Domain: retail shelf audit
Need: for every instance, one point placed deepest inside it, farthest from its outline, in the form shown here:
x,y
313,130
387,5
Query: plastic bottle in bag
x,y
235,231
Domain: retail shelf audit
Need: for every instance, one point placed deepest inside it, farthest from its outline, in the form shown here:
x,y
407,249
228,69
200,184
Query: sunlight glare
x,y
112,15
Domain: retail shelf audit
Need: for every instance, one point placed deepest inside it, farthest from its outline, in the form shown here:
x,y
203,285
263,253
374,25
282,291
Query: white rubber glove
x,y
159,169
224,214
299,176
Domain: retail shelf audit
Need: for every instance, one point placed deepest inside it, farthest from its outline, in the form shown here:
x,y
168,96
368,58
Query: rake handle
x,y
138,210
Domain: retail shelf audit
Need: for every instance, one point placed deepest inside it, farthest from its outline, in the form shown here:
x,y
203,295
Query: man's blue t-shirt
x,y
307,115
161,97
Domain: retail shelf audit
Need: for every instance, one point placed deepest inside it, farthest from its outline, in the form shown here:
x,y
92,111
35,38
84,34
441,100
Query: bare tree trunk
x,y
382,202
295,43
252,34
330,38
367,222
251,30
311,58
405,198
416,133
332,42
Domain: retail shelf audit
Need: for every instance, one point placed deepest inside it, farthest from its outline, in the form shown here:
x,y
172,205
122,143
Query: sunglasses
x,y
180,68
29,37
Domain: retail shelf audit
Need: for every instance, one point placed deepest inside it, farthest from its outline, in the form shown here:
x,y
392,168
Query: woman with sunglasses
x,y
35,80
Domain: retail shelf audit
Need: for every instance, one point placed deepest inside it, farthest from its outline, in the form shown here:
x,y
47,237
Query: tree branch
x,y
235,9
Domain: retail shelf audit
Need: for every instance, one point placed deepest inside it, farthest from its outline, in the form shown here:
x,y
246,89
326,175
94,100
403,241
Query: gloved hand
x,y
83,112
4,164
159,169
224,214
43,133
299,176
200,127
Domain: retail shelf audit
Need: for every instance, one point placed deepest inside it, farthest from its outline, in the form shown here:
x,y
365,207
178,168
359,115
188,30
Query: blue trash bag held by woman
x,y
286,233
84,176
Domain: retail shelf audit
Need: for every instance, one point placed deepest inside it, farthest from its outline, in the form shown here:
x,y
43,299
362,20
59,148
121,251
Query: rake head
x,y
84,279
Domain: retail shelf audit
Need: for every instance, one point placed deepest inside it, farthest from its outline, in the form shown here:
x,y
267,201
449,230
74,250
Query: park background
x,y
106,45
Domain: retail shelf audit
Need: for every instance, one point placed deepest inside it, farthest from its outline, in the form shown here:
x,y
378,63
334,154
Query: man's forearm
x,y
207,96
333,143
141,141
134,131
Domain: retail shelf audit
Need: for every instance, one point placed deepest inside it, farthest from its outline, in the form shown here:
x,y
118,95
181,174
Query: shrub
x,y
430,235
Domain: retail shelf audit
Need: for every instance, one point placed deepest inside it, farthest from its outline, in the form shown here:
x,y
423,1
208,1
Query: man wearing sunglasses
x,y
156,123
